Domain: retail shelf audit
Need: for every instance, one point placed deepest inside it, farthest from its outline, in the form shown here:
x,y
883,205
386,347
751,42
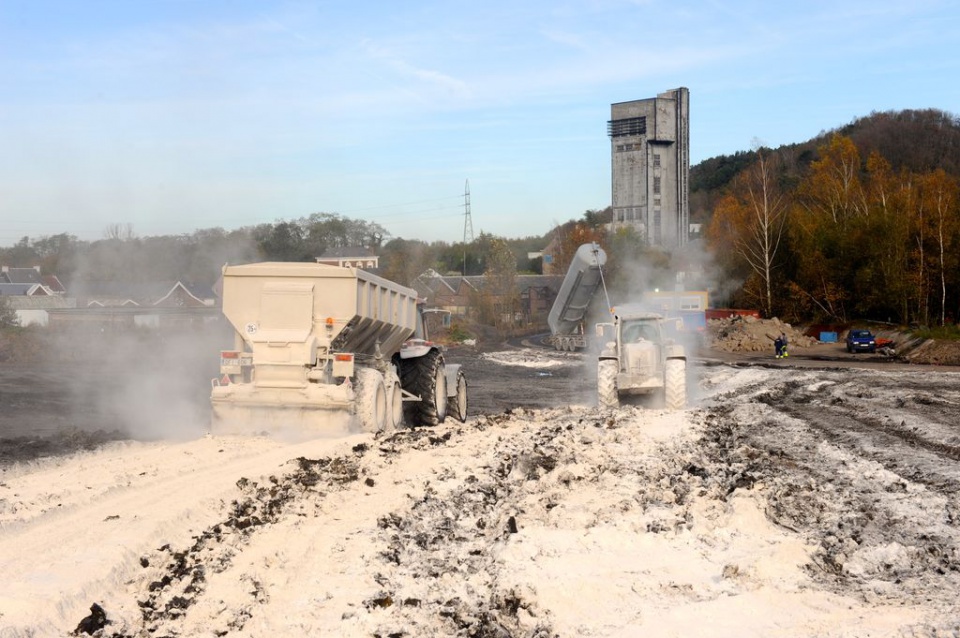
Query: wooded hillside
x,y
860,222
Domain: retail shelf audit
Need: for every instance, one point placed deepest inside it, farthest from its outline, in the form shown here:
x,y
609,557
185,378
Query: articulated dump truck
x,y
327,350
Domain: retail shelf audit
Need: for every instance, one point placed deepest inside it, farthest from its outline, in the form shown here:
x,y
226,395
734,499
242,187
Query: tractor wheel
x,y
608,396
424,377
371,400
458,406
394,400
675,384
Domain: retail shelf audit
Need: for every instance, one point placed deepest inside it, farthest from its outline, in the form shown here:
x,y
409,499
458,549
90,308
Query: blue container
x,y
828,337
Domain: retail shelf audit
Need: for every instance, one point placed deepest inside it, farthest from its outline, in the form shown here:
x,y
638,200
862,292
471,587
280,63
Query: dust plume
x,y
148,383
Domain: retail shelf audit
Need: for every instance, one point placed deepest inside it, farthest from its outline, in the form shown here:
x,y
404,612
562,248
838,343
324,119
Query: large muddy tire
x,y
391,384
424,377
675,384
608,397
458,406
371,400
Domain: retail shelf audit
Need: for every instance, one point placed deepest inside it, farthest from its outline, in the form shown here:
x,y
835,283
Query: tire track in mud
x,y
879,537
425,538
882,439
438,570
176,580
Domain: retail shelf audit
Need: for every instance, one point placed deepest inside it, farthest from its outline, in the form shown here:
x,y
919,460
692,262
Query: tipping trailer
x,y
566,318
328,350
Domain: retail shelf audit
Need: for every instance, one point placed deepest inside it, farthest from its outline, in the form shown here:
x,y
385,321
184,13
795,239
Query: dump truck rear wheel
x,y
424,377
607,393
371,400
675,384
459,404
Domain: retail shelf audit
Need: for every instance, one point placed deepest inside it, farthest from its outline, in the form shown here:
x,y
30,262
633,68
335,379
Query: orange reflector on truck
x,y
343,357
229,354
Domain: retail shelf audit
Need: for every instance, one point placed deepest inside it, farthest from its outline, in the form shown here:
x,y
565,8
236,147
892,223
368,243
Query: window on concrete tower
x,y
656,159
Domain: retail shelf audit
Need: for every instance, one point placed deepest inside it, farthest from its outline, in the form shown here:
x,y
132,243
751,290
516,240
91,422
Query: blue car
x,y
861,341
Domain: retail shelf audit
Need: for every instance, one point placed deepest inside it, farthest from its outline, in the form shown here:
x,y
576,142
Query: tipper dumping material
x,y
569,309
309,336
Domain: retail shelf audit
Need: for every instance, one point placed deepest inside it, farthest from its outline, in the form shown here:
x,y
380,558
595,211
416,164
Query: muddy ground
x,y
52,408
857,455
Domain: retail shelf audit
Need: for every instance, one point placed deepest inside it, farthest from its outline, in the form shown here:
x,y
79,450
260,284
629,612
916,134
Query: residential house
x,y
120,304
458,294
9,275
451,293
32,295
351,257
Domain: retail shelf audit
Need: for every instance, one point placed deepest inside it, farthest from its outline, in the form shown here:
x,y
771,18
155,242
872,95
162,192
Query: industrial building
x,y
650,149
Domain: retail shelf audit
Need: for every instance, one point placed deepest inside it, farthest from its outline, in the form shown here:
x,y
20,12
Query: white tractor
x,y
638,359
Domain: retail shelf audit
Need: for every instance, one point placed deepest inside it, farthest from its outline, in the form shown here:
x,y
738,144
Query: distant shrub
x,y
458,334
943,333
8,316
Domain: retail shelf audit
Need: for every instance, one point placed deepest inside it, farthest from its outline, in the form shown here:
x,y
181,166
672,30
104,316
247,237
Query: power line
x,y
422,201
467,225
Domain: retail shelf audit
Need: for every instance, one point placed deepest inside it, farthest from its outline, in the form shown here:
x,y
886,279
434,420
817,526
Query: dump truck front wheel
x,y
371,400
424,377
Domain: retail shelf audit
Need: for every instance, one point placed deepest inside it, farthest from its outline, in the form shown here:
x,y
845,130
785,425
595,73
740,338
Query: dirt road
x,y
788,501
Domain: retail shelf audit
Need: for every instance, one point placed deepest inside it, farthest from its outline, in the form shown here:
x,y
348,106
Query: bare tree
x,y
751,221
123,232
940,193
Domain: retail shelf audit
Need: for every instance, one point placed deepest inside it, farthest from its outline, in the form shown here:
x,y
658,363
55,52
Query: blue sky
x,y
174,115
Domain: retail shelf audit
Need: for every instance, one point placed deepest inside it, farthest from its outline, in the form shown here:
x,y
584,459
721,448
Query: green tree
x,y
403,260
501,298
8,316
282,241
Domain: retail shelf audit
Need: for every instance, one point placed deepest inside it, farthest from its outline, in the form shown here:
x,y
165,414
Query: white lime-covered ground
x,y
786,503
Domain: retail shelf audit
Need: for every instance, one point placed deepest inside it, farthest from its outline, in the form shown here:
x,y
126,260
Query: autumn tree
x,y
500,298
939,198
567,238
749,225
883,282
826,229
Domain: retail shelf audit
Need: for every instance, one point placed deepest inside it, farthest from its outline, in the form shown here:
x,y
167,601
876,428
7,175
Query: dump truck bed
x,y
304,329
283,302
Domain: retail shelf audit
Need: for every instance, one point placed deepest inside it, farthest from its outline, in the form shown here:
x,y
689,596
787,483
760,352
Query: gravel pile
x,y
749,334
